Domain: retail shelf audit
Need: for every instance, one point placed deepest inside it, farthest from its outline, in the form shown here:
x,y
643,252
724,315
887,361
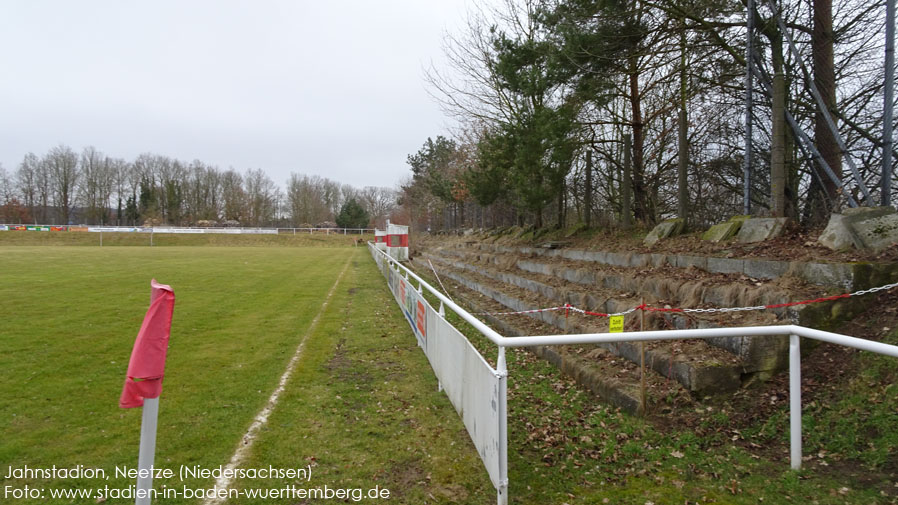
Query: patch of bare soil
x,y
402,475
342,367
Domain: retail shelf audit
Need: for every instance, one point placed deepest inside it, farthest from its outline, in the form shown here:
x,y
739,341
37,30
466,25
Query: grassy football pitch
x,y
361,408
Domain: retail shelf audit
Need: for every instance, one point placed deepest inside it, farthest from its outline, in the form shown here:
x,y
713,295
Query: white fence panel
x,y
472,385
414,308
117,229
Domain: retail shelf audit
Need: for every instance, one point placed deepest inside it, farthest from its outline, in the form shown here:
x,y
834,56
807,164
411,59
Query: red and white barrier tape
x,y
549,309
647,308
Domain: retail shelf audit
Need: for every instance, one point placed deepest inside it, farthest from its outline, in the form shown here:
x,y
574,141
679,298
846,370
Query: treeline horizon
x,y
63,187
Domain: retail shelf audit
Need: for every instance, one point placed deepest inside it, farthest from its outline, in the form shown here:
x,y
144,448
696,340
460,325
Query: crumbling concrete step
x,y
701,370
614,380
692,293
849,276
824,316
590,373
759,357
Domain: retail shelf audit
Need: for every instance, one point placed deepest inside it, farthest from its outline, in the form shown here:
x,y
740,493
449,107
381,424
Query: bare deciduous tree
x,y
64,177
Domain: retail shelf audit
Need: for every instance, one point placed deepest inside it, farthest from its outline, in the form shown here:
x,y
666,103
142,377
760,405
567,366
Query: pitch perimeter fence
x,y
479,392
475,389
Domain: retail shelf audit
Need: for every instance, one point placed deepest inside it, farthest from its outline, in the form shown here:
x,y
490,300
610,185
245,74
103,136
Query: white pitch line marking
x,y
223,483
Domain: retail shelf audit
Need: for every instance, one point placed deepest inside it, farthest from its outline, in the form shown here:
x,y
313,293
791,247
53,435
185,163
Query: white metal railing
x,y
476,390
794,332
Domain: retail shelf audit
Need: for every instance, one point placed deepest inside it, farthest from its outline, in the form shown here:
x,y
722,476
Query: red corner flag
x,y
147,365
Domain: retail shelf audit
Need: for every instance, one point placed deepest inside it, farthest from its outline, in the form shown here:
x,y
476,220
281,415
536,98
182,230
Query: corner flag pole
x,y
147,450
143,383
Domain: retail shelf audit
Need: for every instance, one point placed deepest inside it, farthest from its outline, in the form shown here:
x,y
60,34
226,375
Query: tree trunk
x,y
639,189
627,184
792,175
825,80
561,205
587,196
682,137
778,132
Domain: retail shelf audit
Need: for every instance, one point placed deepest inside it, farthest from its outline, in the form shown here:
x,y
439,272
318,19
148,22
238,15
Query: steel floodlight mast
x,y
888,99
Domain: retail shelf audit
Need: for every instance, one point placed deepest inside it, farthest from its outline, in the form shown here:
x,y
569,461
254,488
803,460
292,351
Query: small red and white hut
x,y
397,241
380,239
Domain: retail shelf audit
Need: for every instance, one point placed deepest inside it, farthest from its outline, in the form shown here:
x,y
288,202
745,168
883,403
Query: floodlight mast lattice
x,y
749,88
888,99
805,142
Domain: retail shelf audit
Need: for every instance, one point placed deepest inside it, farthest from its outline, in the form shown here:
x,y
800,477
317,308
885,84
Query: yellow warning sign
x,y
616,324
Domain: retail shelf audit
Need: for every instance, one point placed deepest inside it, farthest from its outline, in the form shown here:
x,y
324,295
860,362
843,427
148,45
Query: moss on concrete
x,y
573,230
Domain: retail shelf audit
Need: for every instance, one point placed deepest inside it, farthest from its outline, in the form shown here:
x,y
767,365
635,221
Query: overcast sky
x,y
333,88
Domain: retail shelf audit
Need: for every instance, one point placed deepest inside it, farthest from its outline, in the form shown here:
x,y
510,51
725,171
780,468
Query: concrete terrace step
x,y
761,356
848,276
698,289
699,367
613,379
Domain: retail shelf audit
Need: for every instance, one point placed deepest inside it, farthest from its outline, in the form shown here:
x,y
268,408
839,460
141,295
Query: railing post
x,y
795,401
502,370
442,314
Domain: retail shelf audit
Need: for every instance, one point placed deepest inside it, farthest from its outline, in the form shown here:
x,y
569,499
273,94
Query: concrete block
x,y
657,260
826,274
578,255
722,231
877,233
765,269
862,213
759,229
614,282
838,235
700,262
873,228
536,268
640,260
726,266
600,257
594,303
617,259
665,229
